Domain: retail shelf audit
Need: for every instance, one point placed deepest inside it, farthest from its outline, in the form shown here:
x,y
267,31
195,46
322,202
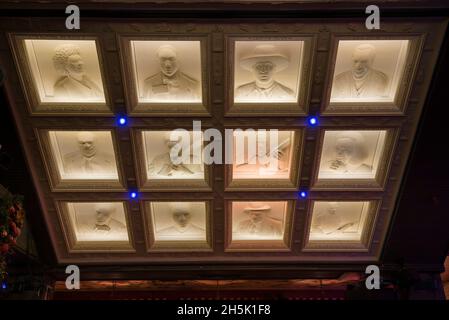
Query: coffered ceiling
x,y
347,207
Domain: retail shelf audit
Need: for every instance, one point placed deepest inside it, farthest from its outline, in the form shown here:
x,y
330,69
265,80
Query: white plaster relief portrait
x,y
267,71
368,70
167,71
65,71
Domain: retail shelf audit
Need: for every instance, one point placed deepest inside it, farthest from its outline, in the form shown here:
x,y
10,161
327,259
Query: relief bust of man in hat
x,y
259,223
264,62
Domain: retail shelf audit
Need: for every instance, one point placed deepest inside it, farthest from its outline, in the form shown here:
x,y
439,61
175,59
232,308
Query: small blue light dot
x,y
122,121
133,195
303,194
313,121
4,285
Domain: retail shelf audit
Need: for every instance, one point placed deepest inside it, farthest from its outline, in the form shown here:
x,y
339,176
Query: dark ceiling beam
x,y
236,271
222,9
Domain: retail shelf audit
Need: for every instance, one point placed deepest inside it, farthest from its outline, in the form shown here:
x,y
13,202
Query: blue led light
x,y
122,121
4,285
303,194
133,195
312,121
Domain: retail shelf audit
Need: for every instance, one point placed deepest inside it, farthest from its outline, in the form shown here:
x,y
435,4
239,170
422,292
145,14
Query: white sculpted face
x,y
264,71
167,60
350,148
182,218
256,216
104,214
75,64
257,213
345,149
362,60
348,154
68,61
86,144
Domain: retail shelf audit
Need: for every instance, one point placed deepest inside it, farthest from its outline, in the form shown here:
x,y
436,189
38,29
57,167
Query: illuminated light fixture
x,y
122,121
312,121
4,285
133,195
303,194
